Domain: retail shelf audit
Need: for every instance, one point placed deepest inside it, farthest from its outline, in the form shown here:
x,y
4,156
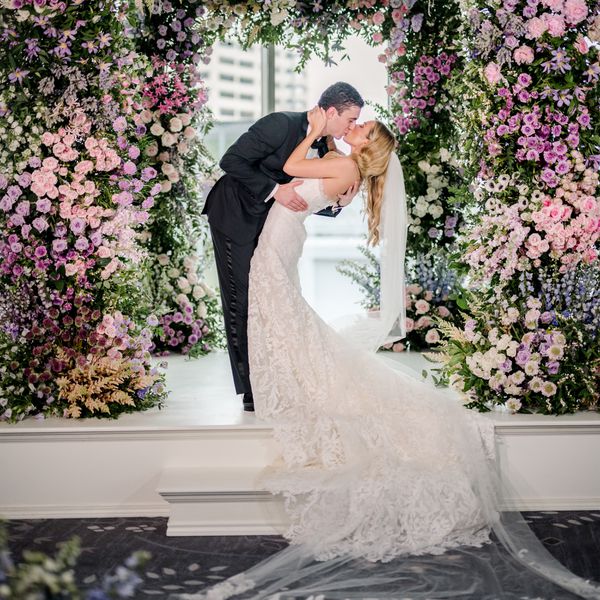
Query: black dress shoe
x,y
248,402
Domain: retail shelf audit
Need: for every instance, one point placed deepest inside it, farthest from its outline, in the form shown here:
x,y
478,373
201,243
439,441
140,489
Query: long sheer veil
x,y
514,553
370,330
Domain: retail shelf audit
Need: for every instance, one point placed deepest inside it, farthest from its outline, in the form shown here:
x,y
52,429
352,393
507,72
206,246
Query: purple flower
x,y
150,173
40,251
40,224
553,367
18,76
524,79
119,124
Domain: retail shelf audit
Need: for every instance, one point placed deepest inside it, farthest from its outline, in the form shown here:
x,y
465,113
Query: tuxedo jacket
x,y
253,165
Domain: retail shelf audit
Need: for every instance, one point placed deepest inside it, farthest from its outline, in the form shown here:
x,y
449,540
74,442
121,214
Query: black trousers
x,y
233,267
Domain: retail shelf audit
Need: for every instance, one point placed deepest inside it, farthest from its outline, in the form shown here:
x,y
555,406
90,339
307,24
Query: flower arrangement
x,y
532,130
41,576
74,193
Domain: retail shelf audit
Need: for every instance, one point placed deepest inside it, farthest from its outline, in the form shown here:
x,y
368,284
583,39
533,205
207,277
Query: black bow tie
x,y
320,144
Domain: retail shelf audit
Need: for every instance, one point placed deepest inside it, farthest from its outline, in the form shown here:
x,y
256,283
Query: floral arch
x,y
103,172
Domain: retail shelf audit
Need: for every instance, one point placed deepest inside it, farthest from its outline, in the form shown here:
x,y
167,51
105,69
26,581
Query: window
x,y
246,97
247,114
227,112
246,80
226,60
247,64
225,94
225,77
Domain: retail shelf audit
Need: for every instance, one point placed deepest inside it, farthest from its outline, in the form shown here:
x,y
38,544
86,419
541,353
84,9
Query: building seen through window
x,y
235,84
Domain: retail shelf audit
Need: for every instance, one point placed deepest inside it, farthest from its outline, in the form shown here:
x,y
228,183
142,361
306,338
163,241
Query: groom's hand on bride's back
x,y
286,195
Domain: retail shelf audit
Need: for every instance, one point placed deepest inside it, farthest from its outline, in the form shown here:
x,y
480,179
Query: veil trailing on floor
x,y
357,539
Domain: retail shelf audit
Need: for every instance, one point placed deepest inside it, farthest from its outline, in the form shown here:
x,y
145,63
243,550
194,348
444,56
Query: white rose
x,y
201,310
189,133
185,118
183,283
163,259
173,272
175,124
183,147
198,292
152,149
165,186
168,139
157,129
192,278
436,211
424,166
173,177
181,299
167,168
444,155
146,116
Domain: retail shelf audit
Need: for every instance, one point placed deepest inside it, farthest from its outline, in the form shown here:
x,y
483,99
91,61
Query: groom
x,y
238,204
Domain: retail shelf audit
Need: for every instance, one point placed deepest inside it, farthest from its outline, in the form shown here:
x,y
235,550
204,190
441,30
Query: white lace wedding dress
x,y
375,463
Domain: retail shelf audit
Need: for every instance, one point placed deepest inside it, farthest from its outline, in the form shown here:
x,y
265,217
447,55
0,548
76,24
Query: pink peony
x,y
492,73
523,55
575,11
555,24
536,27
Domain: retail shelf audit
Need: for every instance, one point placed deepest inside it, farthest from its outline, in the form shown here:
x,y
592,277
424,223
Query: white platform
x,y
198,460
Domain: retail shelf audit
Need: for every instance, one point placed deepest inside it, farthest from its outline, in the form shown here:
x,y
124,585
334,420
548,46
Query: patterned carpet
x,y
187,564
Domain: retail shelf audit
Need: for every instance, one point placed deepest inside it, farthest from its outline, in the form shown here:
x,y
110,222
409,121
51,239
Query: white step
x,y
226,501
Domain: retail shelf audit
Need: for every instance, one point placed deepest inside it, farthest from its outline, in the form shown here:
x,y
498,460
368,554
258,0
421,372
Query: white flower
x,y
198,292
517,378
436,211
165,186
173,273
185,118
445,155
278,16
181,299
202,311
556,352
163,259
532,367
189,133
548,389
167,168
168,139
513,404
175,124
152,149
157,129
183,283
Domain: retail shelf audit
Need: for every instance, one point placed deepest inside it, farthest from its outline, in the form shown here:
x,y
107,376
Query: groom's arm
x,y
243,157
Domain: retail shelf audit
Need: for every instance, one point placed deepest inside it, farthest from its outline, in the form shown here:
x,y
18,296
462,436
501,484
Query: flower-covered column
x,y
73,192
533,133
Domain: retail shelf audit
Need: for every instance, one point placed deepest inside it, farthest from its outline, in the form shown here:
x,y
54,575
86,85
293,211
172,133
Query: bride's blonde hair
x,y
373,160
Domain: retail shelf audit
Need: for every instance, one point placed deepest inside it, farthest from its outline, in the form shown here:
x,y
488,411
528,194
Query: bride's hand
x,y
317,119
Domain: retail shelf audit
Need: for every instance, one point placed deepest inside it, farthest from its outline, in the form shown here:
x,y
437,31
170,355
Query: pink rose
x,y
581,44
523,55
555,24
432,336
492,73
536,27
409,324
377,38
575,11
48,138
397,15
378,18
421,307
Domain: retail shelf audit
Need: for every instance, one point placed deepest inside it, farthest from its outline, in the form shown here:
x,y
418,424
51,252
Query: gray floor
x,y
188,564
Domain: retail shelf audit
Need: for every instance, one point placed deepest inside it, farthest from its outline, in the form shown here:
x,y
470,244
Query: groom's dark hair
x,y
341,96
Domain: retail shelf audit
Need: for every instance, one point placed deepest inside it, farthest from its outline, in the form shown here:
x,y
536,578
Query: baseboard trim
x,y
84,512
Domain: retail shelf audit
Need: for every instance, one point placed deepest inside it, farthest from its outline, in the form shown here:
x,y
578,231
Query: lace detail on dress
x,y
375,464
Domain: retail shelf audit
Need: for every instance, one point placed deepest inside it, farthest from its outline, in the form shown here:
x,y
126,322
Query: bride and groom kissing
x,y
259,168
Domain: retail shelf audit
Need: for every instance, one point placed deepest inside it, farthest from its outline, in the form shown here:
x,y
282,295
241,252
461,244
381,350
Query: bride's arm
x,y
297,165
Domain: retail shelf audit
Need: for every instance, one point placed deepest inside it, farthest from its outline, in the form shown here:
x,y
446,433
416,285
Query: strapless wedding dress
x,y
375,463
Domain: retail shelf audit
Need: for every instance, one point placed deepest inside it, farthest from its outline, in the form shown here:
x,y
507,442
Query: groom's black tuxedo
x,y
253,165
237,211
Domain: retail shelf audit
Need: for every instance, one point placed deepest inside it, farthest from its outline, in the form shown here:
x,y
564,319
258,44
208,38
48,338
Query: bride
x,y
378,469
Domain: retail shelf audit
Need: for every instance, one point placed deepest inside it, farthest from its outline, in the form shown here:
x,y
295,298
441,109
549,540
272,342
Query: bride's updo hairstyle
x,y
372,161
